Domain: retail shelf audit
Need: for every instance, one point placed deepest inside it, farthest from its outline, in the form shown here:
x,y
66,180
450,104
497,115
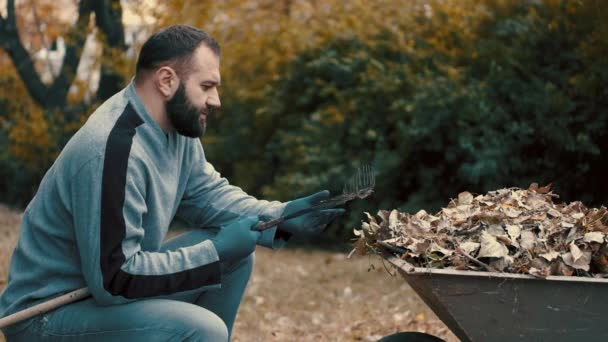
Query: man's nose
x,y
214,99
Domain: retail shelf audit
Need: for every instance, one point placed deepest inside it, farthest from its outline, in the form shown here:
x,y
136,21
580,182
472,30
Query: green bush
x,y
523,100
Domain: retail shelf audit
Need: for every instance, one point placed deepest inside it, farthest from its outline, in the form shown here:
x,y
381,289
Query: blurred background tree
x,y
441,96
42,102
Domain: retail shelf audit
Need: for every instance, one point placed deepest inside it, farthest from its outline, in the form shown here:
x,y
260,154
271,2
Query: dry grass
x,y
299,295
9,229
303,295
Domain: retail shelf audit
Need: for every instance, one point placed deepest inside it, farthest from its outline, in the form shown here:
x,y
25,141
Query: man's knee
x,y
214,330
249,260
202,325
242,265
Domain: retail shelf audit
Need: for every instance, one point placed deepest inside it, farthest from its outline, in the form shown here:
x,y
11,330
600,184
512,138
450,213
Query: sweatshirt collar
x,y
138,105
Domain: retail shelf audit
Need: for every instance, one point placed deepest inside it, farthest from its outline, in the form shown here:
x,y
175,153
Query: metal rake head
x,y
362,183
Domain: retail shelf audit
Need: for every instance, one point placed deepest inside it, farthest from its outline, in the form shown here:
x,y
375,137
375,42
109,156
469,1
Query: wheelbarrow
x,y
491,306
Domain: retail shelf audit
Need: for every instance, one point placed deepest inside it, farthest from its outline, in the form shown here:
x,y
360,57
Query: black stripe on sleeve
x,y
113,227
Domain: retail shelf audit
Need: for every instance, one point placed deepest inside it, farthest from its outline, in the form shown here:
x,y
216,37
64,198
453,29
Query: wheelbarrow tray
x,y
491,306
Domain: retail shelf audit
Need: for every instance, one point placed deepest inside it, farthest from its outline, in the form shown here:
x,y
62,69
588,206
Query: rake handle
x,y
45,307
328,204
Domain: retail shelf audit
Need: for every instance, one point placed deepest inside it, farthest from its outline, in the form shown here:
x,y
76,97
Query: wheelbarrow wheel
x,y
410,337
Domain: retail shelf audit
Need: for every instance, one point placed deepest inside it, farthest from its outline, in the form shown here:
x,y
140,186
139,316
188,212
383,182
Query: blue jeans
x,y
186,316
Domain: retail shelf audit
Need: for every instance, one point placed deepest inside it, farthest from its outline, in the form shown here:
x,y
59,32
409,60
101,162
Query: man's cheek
x,y
202,104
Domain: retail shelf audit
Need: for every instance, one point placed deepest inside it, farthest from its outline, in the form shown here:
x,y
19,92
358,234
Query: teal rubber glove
x,y
313,222
236,240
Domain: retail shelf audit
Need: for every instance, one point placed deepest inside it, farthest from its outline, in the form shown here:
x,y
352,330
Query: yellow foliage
x,y
332,116
31,141
81,87
114,58
30,138
259,38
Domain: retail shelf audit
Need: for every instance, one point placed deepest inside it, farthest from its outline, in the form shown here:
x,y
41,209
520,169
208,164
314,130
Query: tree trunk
x,y
108,14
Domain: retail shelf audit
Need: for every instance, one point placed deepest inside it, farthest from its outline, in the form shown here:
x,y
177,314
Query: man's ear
x,y
166,81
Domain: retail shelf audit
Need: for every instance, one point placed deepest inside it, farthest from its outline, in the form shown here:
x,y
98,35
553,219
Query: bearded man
x,y
102,211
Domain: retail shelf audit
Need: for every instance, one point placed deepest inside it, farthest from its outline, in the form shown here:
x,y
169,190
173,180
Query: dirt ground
x,y
304,295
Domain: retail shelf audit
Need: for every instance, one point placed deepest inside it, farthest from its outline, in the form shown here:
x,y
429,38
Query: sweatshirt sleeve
x,y
209,200
108,200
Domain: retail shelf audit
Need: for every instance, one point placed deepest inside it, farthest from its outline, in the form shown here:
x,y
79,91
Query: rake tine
x,y
361,182
358,183
364,179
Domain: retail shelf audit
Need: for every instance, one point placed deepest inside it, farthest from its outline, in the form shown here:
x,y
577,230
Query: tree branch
x,y
43,39
10,42
108,17
76,37
10,14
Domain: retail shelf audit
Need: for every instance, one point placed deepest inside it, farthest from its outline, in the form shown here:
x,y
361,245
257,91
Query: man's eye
x,y
206,87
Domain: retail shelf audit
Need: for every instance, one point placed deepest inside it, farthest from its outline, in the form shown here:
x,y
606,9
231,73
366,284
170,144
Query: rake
x,y
360,186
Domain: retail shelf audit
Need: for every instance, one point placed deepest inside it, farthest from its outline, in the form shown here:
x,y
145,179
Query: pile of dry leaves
x,y
509,230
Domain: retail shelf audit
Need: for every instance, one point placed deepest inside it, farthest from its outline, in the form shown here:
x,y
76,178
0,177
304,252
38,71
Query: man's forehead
x,y
205,64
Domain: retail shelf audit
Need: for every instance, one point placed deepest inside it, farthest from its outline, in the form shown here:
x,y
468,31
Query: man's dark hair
x,y
173,46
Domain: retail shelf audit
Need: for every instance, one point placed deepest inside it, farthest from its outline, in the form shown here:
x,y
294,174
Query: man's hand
x,y
311,223
236,240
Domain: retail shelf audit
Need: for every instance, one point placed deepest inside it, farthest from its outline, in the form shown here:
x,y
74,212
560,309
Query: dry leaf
x,y
594,237
502,263
360,246
559,268
383,214
579,260
554,213
490,248
514,231
495,230
538,273
435,248
469,247
417,246
575,251
393,220
465,198
545,189
577,216
527,240
550,255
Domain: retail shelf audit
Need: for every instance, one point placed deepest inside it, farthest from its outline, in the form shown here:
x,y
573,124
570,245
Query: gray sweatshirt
x,y
102,211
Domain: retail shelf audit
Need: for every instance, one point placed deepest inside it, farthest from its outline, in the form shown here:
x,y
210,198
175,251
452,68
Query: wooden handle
x,y
45,307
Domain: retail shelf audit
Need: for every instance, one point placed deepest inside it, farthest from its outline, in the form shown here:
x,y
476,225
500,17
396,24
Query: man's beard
x,y
184,116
